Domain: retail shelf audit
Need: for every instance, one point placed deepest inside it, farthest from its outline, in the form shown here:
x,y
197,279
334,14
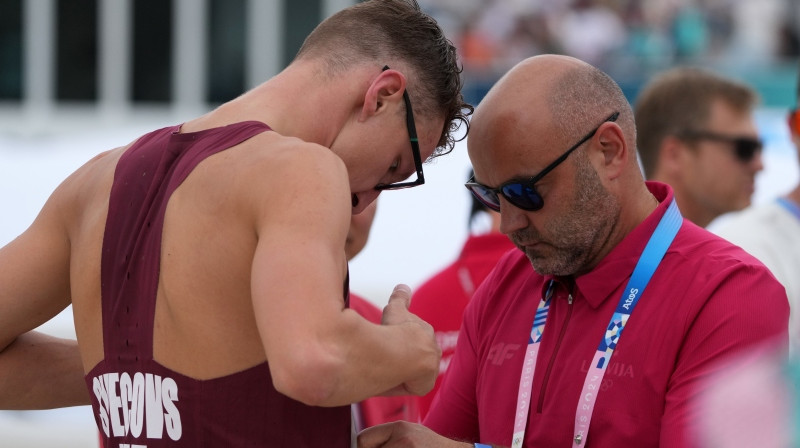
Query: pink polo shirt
x,y
708,300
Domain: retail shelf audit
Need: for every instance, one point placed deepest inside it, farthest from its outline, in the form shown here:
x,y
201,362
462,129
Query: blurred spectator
x,y
771,232
690,32
696,132
625,37
756,32
648,43
476,48
441,299
788,41
530,36
590,31
376,410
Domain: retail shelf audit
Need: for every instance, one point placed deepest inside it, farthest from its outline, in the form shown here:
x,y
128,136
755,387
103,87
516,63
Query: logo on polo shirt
x,y
501,352
617,369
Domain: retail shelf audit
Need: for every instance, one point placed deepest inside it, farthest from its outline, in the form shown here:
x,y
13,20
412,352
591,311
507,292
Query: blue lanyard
x,y
653,252
651,257
790,206
791,374
649,260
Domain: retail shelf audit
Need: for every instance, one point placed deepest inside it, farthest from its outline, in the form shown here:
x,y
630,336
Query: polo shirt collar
x,y
597,285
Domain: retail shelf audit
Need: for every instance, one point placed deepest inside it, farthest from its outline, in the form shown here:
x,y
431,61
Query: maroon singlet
x,y
136,401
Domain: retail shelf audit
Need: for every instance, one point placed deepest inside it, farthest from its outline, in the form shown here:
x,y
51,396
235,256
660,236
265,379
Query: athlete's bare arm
x,y
38,371
319,352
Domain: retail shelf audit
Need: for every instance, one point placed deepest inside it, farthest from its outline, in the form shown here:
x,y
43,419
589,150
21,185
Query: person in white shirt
x,y
771,233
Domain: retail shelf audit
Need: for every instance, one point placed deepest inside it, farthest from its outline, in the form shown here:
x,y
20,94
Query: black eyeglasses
x,y
524,194
745,148
412,134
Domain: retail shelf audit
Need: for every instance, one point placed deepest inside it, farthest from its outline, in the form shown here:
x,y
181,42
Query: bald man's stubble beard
x,y
571,244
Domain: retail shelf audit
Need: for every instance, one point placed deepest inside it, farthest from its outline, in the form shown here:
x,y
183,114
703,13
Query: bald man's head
x,y
561,93
553,148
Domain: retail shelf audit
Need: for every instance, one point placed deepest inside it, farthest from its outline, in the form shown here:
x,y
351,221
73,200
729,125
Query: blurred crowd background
x,y
757,41
194,53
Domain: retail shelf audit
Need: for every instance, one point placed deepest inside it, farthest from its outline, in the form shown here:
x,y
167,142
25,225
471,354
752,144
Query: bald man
x,y
553,149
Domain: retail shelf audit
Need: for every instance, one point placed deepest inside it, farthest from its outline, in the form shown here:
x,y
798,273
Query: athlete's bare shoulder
x,y
279,175
287,152
93,178
273,161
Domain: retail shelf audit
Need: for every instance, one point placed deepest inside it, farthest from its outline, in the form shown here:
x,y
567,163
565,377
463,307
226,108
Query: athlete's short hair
x,y
383,31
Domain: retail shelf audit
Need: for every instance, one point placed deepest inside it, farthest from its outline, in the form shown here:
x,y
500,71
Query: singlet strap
x,y
145,178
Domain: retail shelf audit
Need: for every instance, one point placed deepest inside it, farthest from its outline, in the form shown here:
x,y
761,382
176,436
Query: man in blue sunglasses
x,y
600,251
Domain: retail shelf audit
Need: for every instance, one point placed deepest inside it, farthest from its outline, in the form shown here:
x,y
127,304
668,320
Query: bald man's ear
x,y
614,149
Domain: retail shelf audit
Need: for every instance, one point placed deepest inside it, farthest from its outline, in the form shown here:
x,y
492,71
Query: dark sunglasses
x,y
412,133
745,148
523,194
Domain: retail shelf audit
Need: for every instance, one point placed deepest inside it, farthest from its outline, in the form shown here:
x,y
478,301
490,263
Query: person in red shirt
x,y
541,359
375,410
441,299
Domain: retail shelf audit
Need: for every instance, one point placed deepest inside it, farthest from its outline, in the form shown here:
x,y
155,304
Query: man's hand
x,y
405,435
396,313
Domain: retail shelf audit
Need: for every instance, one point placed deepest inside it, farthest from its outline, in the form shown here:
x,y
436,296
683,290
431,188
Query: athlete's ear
x,y
385,90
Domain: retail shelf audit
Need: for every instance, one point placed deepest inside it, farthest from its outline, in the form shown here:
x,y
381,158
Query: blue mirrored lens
x,y
486,196
523,196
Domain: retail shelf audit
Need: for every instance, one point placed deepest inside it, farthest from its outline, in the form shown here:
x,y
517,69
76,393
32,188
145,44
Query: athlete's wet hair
x,y
398,34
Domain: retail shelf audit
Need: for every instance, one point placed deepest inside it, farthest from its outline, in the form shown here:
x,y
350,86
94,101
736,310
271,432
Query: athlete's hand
x,y
421,340
405,435
396,310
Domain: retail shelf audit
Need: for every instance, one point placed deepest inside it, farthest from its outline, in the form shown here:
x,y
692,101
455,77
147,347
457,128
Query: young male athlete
x,y
205,261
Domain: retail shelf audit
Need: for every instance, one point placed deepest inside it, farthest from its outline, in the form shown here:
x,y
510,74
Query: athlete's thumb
x,y
401,296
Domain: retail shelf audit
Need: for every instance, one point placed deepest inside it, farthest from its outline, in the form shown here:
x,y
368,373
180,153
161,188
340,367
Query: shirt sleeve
x,y
453,412
745,308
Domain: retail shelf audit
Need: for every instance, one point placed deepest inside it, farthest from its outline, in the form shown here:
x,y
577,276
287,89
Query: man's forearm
x,y
38,371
